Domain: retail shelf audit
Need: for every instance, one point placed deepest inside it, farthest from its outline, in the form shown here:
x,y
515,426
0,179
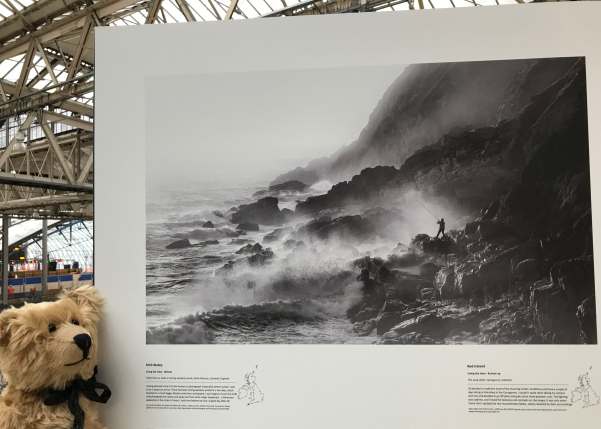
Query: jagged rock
x,y
587,320
240,241
260,258
180,244
347,227
207,243
248,226
510,324
491,211
428,293
289,186
208,224
554,318
408,259
490,230
365,327
276,234
527,270
432,245
362,186
428,270
250,248
300,174
209,234
372,265
575,278
406,287
263,212
409,338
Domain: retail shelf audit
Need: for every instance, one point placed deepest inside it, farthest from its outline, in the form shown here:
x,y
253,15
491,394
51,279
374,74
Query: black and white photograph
x,y
441,203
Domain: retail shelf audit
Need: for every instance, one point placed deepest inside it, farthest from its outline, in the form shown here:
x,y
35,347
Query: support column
x,y
44,257
5,238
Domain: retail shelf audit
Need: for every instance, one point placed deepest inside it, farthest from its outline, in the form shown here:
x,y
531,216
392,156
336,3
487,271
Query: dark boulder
x,y
248,226
207,243
344,227
263,212
433,246
208,224
250,249
261,257
276,234
289,186
180,244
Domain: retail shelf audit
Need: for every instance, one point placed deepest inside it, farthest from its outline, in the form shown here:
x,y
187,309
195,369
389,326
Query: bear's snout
x,y
84,342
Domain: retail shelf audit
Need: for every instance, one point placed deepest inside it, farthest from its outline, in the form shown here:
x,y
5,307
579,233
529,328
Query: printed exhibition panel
x,y
299,223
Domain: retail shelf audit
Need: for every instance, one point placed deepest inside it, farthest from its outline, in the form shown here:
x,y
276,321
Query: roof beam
x,y
25,68
185,9
32,100
153,10
45,201
231,9
65,165
44,183
63,26
83,38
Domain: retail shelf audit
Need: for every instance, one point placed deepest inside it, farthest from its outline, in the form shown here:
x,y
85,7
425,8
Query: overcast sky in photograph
x,y
235,128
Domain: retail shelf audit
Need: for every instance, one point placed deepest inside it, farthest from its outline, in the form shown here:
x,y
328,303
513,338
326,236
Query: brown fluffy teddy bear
x,y
48,359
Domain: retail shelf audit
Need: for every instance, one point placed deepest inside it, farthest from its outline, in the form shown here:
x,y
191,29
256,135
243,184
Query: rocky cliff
x,y
429,101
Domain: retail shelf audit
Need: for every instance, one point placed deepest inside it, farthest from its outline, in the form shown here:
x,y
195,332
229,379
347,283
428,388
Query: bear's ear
x,y
88,300
7,322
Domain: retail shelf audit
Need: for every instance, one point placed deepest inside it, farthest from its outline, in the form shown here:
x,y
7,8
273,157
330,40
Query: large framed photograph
x,y
441,203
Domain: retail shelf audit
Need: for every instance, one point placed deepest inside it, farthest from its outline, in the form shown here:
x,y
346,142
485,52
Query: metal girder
x,y
83,38
25,68
153,10
39,182
185,9
231,9
35,15
45,201
47,63
63,26
69,120
9,146
66,165
34,100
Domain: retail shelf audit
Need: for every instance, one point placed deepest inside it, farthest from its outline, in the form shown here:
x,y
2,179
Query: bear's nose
x,y
84,342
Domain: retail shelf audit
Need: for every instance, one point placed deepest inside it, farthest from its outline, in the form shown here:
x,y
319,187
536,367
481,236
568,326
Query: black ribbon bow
x,y
89,388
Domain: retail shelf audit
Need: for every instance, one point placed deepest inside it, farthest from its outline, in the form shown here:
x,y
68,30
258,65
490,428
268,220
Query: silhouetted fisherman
x,y
440,228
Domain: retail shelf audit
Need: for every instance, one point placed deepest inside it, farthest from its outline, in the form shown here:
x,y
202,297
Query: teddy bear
x,y
48,354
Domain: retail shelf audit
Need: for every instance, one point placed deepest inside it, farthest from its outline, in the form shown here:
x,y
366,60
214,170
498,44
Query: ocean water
x,y
299,297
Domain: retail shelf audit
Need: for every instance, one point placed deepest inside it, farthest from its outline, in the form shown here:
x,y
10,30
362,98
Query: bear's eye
x,y
75,322
51,327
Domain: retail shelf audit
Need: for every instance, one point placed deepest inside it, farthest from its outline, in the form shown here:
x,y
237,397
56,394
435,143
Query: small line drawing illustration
x,y
584,392
250,390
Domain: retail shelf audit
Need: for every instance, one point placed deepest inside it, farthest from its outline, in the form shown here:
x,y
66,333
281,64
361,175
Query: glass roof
x,y
11,7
